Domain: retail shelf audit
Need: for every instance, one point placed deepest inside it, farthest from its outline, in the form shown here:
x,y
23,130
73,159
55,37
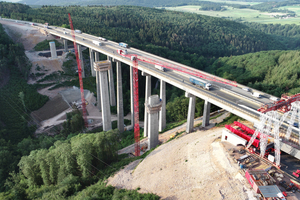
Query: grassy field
x,y
247,15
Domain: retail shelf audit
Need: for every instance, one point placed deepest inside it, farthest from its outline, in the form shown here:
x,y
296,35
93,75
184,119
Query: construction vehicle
x,y
78,31
97,43
122,44
199,82
160,68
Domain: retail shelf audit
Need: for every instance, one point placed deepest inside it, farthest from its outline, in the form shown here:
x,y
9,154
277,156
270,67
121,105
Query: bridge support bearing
x,y
147,95
65,45
120,109
162,112
102,67
131,98
98,83
206,114
153,106
53,50
191,112
93,72
81,60
111,85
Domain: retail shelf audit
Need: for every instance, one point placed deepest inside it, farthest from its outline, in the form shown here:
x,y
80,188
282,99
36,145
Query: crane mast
x,y
79,73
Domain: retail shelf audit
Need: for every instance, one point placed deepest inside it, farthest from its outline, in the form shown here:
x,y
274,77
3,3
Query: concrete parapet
x,y
153,106
191,112
147,95
53,50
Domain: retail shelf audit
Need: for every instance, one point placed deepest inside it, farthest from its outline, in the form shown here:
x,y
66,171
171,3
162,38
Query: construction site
x,y
239,161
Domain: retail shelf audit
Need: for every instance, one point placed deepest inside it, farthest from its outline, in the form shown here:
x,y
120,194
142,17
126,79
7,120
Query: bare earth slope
x,y
191,167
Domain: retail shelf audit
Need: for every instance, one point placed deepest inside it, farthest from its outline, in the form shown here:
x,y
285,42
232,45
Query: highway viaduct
x,y
233,99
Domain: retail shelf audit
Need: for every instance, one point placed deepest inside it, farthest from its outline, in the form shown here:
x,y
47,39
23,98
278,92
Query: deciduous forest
x,y
252,54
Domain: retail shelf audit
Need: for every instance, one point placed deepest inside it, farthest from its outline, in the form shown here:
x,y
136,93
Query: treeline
x,y
17,100
289,34
274,72
71,169
273,6
164,30
144,3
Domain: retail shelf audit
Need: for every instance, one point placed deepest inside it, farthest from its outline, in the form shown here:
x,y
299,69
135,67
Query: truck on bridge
x,y
122,44
97,43
201,83
161,68
78,31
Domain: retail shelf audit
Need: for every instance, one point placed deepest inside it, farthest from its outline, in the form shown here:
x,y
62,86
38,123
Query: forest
x,y
274,72
205,43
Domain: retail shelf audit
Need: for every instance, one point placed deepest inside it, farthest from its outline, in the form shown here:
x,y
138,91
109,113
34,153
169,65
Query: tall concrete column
x,y
98,83
53,50
153,106
102,68
147,95
162,112
65,45
120,110
111,85
93,72
131,97
191,112
81,60
206,114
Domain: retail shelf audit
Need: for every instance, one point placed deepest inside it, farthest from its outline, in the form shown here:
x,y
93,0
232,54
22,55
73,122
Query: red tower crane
x,y
79,73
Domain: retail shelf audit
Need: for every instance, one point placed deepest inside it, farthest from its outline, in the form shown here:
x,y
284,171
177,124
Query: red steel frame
x,y
79,73
283,105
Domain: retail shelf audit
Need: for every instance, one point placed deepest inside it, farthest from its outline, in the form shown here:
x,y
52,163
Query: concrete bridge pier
x,y
65,45
102,68
111,85
162,112
98,83
206,114
53,50
153,106
131,97
93,72
147,95
191,112
120,109
79,48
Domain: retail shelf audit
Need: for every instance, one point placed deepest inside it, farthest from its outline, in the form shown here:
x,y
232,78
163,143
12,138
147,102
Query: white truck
x,y
97,43
78,31
101,38
256,94
160,68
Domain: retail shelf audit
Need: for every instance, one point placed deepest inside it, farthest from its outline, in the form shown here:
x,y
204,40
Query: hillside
x,y
159,31
274,72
